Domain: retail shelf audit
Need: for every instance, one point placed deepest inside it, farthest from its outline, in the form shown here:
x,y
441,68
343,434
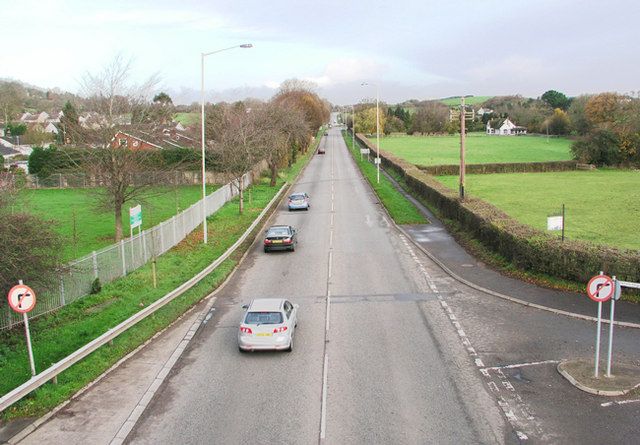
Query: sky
x,y
419,49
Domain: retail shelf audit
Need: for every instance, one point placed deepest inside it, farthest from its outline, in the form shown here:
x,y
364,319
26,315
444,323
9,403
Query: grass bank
x,y
480,149
58,334
401,210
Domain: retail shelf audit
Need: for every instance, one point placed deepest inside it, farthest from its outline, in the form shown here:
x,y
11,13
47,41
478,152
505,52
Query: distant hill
x,y
469,100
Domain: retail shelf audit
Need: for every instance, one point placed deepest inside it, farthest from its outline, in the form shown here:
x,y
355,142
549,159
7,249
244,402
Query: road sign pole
x,y
597,359
28,336
29,349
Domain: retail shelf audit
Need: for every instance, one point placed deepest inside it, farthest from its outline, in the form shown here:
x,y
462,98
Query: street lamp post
x,y
377,127
353,128
204,190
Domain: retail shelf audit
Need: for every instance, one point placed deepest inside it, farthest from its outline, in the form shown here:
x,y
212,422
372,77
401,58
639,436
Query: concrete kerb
x,y
579,374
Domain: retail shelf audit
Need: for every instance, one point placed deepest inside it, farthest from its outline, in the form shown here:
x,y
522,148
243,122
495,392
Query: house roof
x,y
6,151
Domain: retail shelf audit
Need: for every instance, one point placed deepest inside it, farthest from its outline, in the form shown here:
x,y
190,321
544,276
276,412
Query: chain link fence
x,y
122,258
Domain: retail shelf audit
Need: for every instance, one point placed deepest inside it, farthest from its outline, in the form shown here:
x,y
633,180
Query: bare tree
x,y
114,165
284,131
29,248
237,145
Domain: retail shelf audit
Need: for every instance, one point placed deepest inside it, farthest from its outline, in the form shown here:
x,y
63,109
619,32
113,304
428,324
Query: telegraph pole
x,y
462,131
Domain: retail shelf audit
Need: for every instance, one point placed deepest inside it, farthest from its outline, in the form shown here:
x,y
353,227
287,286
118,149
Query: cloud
x,y
512,67
348,69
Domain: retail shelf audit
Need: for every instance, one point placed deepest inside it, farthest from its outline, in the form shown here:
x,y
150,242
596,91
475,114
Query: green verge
x,y
58,334
401,210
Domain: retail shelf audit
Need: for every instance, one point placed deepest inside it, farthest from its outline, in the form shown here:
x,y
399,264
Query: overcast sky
x,y
418,49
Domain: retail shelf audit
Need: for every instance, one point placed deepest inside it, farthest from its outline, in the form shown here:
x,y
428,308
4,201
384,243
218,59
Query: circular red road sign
x,y
22,298
600,288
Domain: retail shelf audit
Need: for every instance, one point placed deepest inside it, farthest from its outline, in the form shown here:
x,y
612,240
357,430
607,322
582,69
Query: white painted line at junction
x,y
323,415
521,365
619,402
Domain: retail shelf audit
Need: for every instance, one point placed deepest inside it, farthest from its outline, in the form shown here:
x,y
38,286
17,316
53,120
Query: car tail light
x,y
246,330
286,240
290,200
280,329
267,241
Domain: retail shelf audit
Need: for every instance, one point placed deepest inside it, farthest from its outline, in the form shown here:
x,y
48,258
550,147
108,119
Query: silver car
x,y
299,201
268,324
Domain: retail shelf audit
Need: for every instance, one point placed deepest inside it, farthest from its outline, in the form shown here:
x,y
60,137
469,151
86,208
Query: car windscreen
x,y
296,197
278,232
263,318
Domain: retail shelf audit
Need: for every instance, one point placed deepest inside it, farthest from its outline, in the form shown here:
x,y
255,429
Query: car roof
x,y
298,193
279,227
266,304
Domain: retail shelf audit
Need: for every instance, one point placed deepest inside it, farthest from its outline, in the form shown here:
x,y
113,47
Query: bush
x,y
599,147
96,286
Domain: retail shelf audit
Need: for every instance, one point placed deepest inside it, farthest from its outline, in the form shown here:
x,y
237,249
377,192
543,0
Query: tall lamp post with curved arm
x,y
377,125
204,191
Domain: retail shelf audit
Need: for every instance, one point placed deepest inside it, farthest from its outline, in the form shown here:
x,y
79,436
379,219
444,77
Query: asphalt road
x,y
376,357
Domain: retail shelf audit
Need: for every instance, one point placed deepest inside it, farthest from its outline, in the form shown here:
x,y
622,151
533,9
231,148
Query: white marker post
x,y
616,296
22,299
600,288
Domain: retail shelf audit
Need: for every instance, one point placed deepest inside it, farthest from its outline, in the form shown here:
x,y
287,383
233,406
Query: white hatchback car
x,y
268,324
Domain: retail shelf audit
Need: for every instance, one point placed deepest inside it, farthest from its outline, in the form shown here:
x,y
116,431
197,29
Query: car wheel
x,y
293,247
290,348
266,250
242,351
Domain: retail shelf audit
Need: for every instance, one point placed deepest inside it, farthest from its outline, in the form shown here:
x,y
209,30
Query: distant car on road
x,y
326,133
280,238
268,324
320,149
299,201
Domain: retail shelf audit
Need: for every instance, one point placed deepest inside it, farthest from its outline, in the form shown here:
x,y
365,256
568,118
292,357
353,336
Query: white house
x,y
506,128
482,111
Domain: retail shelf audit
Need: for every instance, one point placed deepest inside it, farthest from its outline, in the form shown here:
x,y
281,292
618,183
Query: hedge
x,y
512,167
527,248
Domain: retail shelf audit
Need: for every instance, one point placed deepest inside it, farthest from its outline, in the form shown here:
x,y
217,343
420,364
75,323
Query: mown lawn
x,y
94,229
601,206
480,149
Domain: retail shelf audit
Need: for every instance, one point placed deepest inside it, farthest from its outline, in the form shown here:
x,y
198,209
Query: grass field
x,y
94,229
602,206
187,118
480,149
475,100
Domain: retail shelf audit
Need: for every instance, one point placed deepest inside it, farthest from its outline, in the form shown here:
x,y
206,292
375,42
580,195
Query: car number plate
x,y
264,334
277,241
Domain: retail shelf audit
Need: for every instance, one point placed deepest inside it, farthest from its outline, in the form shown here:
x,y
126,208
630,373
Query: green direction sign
x,y
135,216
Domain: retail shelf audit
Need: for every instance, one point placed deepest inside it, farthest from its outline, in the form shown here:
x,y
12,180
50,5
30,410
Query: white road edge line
x,y
323,416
